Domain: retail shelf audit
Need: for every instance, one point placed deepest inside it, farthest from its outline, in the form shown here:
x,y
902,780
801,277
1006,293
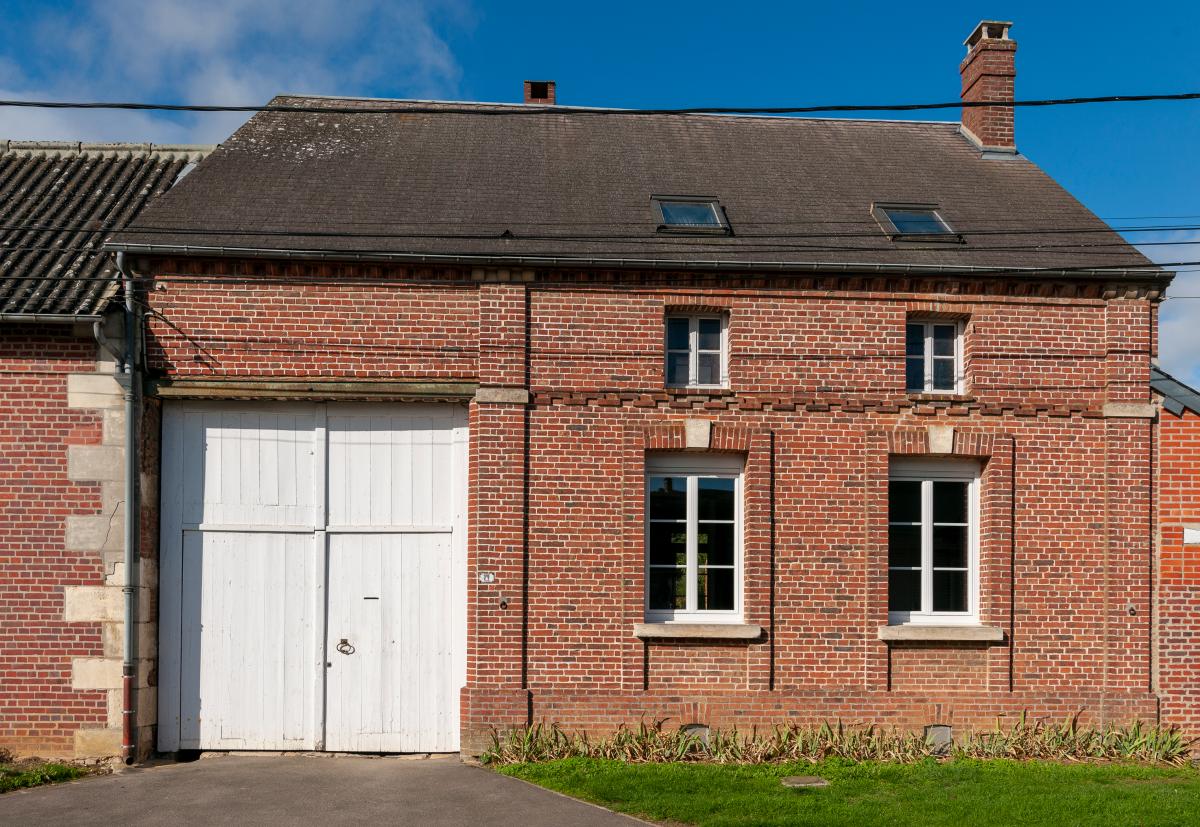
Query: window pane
x,y
668,544
714,544
904,591
914,374
710,334
709,365
949,546
914,340
677,369
689,214
904,501
949,591
949,502
715,498
943,339
943,374
904,545
915,221
714,589
677,334
668,589
668,498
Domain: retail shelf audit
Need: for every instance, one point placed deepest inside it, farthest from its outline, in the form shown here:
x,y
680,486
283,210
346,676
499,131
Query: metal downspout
x,y
129,380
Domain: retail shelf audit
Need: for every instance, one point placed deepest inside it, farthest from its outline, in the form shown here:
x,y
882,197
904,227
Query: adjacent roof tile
x,y
58,204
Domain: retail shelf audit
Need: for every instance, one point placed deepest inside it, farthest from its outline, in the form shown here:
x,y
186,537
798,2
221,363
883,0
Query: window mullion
x,y
926,546
693,351
928,360
692,567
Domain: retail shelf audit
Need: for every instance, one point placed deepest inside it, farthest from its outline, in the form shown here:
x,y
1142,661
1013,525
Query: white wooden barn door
x,y
287,529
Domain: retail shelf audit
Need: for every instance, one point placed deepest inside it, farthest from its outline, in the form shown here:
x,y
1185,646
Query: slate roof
x,y
484,180
84,189
1176,395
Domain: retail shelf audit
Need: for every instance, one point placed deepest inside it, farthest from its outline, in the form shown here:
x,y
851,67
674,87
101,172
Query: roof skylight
x,y
914,222
689,214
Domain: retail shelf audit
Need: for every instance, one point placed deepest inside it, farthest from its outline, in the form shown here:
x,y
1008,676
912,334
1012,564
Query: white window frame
x,y
694,466
927,472
694,349
959,377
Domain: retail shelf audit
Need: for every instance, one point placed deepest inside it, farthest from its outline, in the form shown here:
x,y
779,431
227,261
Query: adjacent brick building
x,y
62,441
1177,504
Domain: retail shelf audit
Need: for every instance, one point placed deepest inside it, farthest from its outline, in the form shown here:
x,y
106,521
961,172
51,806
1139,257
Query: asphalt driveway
x,y
303,790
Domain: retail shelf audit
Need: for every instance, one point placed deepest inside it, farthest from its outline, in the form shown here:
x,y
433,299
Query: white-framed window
x,y
697,350
933,356
694,538
933,541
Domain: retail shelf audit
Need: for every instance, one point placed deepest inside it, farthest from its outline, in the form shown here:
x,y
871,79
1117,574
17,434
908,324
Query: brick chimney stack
x,y
987,75
539,92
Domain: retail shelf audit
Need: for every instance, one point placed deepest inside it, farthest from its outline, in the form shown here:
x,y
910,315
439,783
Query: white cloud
x,y
224,51
1179,318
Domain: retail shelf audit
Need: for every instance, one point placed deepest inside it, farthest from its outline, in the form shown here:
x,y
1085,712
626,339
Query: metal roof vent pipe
x,y
539,92
988,74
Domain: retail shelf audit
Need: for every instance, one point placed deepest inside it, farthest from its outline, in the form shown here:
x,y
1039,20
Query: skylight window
x,y
690,214
914,222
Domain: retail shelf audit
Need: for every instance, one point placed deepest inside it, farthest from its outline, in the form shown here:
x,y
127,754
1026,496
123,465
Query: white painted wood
x,y
398,689
246,669
398,597
262,502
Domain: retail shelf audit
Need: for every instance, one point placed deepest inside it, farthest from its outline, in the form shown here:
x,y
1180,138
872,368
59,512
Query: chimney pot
x,y
988,74
539,92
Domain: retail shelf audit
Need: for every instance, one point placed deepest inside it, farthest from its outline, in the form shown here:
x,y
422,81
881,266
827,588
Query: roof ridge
x,y
562,108
58,149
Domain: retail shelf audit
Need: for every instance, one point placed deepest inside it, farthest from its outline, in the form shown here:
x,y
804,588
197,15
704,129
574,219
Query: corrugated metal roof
x,y
562,185
1176,395
85,189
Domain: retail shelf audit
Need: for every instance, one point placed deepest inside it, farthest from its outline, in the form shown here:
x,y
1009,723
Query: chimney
x,y
539,92
987,75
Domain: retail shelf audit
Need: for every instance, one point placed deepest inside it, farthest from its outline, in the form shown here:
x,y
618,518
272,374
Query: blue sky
x,y
1123,161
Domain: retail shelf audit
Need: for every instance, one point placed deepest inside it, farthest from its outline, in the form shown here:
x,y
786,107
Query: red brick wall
x,y
39,711
817,405
1179,570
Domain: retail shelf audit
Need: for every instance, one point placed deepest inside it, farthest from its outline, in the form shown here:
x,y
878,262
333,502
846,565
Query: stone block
x,y
96,463
94,390
114,426
97,743
96,532
93,603
95,673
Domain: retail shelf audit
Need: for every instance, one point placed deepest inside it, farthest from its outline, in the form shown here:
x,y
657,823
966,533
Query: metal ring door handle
x,y
345,647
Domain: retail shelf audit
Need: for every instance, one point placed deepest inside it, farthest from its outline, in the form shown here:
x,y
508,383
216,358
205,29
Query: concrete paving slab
x,y
291,789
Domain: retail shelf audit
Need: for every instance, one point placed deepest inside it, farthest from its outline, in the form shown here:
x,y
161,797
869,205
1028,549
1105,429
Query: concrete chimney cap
x,y
988,30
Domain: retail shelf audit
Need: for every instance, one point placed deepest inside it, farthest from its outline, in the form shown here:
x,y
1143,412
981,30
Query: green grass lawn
x,y
962,793
27,774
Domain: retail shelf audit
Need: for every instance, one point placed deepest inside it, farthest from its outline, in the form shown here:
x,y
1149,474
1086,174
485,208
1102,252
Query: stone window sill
x,y
920,633
697,631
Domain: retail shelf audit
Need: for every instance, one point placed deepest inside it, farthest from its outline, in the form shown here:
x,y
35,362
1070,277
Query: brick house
x,y
472,415
62,443
1177,501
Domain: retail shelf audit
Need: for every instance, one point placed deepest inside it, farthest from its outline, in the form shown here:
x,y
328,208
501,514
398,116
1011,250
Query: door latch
x,y
345,647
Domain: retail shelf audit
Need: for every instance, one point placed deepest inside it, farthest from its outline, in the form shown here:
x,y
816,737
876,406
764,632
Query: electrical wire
x,y
424,107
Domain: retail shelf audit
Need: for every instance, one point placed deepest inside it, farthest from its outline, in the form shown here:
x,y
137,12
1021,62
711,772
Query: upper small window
x,y
933,356
914,222
689,214
697,350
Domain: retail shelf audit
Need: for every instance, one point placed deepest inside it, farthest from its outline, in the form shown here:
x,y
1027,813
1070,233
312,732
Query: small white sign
x,y
486,577
1191,536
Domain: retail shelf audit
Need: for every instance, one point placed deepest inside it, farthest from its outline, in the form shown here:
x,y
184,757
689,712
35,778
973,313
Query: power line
x,y
515,109
94,229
